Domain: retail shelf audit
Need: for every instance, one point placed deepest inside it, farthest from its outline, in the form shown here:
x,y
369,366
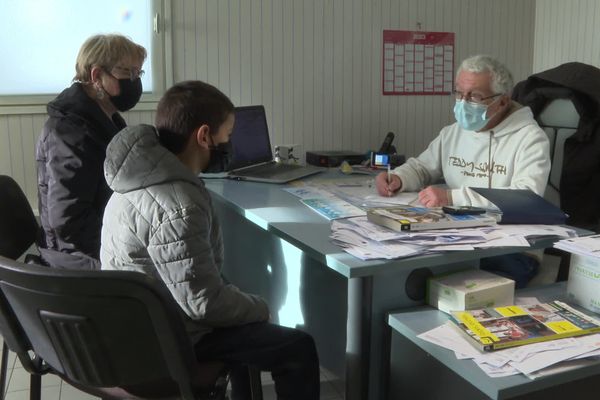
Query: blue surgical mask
x,y
470,116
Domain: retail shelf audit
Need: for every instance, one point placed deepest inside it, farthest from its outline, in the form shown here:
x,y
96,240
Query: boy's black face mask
x,y
220,157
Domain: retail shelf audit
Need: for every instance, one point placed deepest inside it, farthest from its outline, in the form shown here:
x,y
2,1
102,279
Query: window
x,y
40,39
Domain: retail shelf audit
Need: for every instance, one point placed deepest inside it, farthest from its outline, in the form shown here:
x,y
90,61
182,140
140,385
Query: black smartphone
x,y
463,210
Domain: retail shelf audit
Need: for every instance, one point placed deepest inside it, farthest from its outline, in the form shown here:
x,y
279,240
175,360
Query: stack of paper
x,y
585,246
366,240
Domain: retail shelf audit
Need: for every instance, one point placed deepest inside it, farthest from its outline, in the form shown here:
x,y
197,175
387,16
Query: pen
x,y
389,176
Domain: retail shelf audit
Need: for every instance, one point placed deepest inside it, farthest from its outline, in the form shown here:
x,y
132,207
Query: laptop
x,y
252,155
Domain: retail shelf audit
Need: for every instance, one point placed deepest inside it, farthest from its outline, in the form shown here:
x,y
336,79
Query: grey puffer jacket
x,y
160,221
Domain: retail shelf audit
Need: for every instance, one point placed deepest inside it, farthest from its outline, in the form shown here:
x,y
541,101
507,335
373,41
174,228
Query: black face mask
x,y
129,95
220,157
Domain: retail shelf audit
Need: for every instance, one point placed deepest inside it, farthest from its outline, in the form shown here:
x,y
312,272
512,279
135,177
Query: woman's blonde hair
x,y
105,51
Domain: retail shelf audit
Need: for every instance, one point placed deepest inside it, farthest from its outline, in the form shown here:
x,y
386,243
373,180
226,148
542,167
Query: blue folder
x,y
521,206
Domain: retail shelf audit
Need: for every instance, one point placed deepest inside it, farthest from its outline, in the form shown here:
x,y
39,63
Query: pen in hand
x,y
389,179
389,176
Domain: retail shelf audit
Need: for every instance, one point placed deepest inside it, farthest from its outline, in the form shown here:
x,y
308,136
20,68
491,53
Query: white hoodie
x,y
517,150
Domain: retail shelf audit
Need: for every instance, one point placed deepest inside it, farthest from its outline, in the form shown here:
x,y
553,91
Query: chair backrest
x,y
559,119
18,226
16,340
101,328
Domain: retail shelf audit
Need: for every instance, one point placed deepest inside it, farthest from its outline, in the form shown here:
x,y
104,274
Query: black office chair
x,y
112,334
18,227
165,335
18,232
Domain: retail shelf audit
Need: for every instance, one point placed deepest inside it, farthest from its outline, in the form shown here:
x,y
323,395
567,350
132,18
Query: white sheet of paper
x,y
447,337
453,247
498,372
512,241
544,359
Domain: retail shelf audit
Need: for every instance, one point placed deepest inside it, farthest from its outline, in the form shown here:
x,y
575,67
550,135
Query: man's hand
x,y
433,196
386,188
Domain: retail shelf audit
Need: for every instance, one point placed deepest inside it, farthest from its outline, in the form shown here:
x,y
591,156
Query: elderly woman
x,y
71,149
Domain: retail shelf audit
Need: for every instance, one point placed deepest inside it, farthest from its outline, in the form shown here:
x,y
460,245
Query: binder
x,y
522,206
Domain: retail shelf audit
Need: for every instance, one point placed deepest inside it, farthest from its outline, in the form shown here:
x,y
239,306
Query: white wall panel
x,y
316,65
566,31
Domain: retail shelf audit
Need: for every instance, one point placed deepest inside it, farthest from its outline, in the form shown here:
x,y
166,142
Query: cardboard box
x,y
583,286
470,289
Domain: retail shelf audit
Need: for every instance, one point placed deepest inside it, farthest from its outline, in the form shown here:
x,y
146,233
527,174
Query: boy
x,y
160,221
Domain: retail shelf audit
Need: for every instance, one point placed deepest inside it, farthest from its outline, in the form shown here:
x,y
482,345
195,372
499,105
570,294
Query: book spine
x,y
393,224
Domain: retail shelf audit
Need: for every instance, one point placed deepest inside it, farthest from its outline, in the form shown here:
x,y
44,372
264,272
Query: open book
x,y
408,218
501,327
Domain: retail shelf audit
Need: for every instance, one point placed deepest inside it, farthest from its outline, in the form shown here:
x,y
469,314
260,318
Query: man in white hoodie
x,y
494,143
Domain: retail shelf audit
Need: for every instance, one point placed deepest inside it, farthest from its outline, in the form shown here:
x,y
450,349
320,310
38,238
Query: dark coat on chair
x,y
580,175
71,187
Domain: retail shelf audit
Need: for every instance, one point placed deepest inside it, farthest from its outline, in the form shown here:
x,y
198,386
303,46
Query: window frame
x,y
162,56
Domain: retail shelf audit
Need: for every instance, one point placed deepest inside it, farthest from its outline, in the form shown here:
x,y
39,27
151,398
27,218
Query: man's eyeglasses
x,y
473,98
133,73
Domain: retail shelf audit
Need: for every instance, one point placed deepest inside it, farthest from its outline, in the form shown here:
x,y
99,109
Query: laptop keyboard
x,y
267,170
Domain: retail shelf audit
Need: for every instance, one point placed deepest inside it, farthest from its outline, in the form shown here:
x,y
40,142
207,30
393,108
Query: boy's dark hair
x,y
185,107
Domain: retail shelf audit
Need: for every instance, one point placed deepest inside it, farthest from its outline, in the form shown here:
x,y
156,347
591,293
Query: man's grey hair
x,y
502,80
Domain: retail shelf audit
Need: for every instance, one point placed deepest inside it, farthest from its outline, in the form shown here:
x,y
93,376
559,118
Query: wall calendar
x,y
417,62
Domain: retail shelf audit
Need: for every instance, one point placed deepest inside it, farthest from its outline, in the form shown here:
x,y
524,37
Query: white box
x,y
470,289
583,286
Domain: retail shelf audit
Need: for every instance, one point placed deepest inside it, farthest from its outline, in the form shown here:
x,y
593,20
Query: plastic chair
x,y
112,334
18,232
559,119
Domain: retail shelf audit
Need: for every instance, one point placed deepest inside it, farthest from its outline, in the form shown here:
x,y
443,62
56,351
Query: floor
x,y
54,388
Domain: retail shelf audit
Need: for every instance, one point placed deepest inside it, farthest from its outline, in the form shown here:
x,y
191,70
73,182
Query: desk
x,y
278,248
462,379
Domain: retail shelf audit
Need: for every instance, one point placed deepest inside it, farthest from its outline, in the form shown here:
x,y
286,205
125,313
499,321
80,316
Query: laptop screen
x,y
250,137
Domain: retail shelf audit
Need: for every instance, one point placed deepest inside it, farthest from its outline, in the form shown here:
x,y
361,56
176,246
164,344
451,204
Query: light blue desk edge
x,y
350,266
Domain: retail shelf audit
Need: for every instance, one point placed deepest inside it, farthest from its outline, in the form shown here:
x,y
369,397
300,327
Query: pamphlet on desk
x,y
332,208
408,218
325,203
520,206
501,327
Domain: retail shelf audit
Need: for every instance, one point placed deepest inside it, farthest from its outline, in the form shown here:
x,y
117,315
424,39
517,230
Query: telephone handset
x,y
386,146
386,154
